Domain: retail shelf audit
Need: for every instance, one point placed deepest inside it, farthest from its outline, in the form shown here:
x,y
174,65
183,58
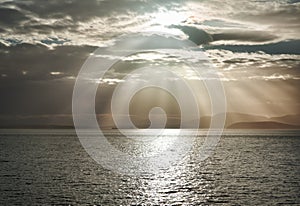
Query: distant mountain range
x,y
262,125
233,121
247,121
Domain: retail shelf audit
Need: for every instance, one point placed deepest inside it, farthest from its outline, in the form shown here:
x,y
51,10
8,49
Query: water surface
x,y
50,167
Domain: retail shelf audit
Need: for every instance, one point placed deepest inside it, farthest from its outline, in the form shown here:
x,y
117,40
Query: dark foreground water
x,y
50,167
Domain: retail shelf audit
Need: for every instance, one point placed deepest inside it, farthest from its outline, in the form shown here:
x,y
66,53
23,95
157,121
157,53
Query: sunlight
x,y
161,22
168,18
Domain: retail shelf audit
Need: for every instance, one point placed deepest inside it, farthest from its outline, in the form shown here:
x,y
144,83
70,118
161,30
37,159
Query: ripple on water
x,y
53,168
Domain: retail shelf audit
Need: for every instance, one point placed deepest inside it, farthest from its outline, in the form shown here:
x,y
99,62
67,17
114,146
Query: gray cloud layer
x,y
44,43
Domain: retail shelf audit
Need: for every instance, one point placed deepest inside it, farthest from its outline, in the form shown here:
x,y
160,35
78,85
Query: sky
x,y
254,45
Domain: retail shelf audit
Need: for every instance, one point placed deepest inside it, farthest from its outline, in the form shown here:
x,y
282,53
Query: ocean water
x,y
50,167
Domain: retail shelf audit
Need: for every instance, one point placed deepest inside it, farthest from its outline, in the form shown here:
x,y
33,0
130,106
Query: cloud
x,y
86,10
28,62
244,36
198,36
255,66
98,21
82,22
276,17
276,13
44,43
10,17
77,10
276,76
282,47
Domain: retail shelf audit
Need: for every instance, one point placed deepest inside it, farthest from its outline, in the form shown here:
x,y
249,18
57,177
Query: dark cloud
x,y
34,26
36,62
10,17
249,36
198,36
36,92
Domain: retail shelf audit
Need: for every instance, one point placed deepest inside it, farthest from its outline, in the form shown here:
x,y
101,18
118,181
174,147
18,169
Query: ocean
x,y
248,167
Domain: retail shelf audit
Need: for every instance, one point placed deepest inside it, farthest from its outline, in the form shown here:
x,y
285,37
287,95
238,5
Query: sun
x,y
161,22
168,18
